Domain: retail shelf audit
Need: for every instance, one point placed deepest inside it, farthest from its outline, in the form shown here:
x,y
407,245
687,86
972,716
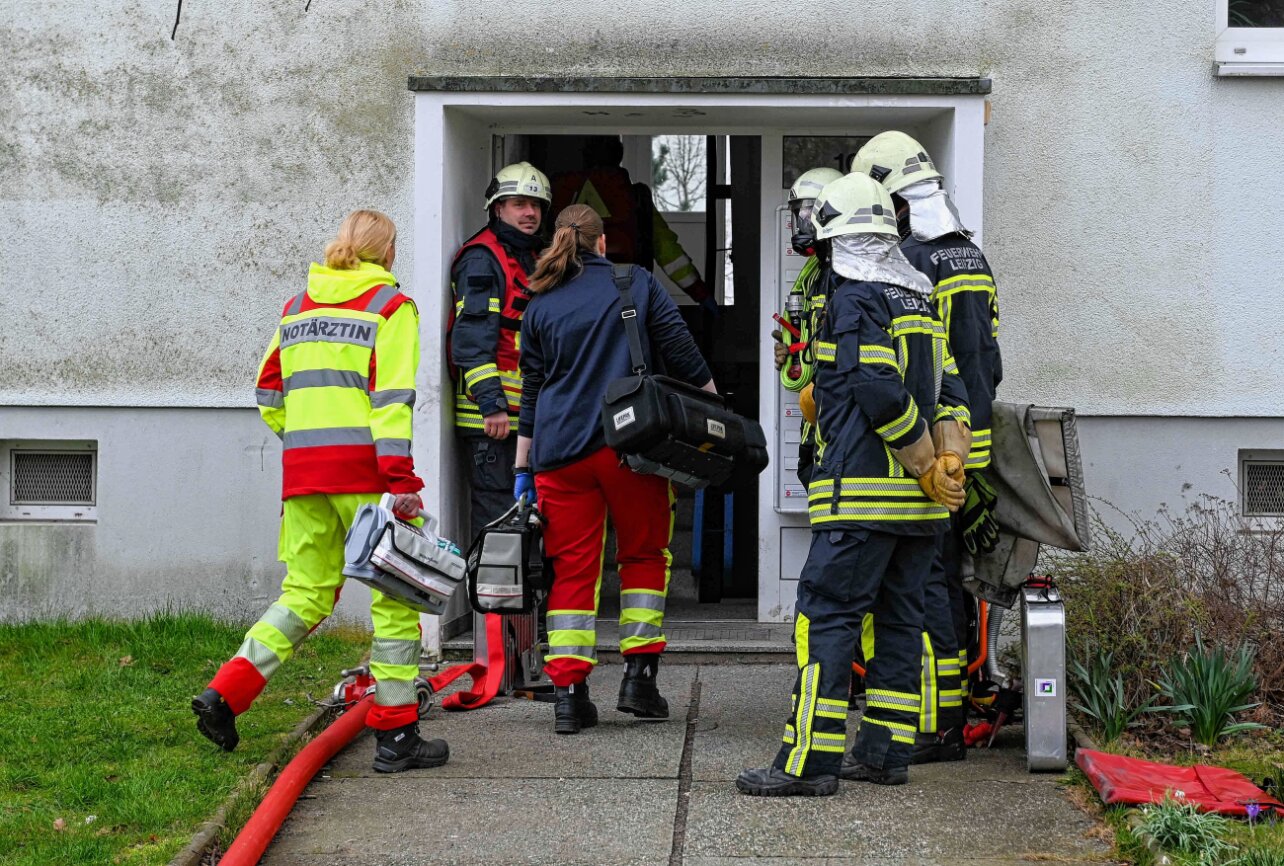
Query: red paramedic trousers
x,y
576,501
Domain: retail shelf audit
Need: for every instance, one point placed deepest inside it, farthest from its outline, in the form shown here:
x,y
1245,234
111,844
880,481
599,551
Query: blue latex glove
x,y
524,487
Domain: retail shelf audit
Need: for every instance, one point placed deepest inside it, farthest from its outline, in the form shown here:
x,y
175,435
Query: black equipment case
x,y
505,566
665,427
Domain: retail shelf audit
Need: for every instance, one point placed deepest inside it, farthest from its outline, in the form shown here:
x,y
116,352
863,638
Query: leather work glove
x,y
407,506
779,350
950,434
980,529
939,482
807,403
524,486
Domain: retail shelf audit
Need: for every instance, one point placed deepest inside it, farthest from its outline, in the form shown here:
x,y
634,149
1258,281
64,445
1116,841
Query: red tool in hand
x,y
800,343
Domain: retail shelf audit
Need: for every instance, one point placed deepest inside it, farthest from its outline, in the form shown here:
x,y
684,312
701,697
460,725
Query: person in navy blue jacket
x,y
573,346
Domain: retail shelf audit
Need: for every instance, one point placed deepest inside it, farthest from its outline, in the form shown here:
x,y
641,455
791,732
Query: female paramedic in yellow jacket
x,y
573,346
337,385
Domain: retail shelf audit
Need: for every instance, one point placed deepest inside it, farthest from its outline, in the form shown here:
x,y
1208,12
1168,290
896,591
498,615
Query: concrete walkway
x,y
661,793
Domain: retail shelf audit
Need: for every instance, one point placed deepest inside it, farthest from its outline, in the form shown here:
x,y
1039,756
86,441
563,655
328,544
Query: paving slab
x,y
513,738
863,822
411,819
515,793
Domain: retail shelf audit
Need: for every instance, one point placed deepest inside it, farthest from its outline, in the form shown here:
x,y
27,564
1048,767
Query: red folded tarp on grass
x,y
1133,781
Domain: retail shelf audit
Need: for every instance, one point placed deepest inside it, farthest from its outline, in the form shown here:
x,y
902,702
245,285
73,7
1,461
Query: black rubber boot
x,y
770,782
638,692
945,746
572,709
215,719
855,771
403,749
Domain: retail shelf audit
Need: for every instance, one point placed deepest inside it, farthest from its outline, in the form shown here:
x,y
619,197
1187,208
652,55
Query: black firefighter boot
x,y
572,709
403,749
945,746
638,692
854,770
215,719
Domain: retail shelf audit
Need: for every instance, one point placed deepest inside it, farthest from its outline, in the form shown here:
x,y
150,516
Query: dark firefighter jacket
x,y
883,375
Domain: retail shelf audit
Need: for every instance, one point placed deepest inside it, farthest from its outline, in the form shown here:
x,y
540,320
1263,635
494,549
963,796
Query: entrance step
x,y
748,640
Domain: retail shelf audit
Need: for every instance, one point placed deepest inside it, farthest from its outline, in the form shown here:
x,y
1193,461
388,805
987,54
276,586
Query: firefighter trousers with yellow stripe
x,y
313,528
941,681
850,573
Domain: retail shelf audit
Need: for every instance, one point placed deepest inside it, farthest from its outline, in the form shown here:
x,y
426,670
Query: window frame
x,y
1246,51
11,511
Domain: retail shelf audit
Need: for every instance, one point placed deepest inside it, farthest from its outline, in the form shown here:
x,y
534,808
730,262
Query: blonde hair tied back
x,y
364,236
578,228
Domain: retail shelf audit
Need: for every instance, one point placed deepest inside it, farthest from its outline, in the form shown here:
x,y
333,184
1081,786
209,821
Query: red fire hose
x,y
271,813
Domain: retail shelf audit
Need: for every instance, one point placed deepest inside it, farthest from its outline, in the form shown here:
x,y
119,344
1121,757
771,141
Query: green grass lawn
x,y
101,762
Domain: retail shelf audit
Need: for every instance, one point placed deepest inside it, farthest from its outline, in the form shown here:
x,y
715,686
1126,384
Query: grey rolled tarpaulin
x,y
1037,474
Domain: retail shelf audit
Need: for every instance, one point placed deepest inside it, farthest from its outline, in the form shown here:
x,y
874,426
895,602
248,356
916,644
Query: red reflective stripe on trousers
x,y
576,500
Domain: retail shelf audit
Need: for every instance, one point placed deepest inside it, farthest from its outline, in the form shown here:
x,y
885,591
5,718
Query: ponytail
x,y
364,236
578,228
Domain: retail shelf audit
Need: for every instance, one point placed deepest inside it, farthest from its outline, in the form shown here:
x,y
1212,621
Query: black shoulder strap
x,y
624,283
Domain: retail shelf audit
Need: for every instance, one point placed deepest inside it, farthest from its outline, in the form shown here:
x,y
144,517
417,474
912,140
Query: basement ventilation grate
x,y
52,478
1262,487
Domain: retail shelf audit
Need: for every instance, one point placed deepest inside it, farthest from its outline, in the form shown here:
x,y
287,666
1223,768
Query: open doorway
x,y
684,206
466,127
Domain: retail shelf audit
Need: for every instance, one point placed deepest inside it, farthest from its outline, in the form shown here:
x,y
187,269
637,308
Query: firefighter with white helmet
x,y
884,384
936,242
805,303
489,281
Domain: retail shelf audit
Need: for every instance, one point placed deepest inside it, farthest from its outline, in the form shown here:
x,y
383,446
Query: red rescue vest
x,y
513,303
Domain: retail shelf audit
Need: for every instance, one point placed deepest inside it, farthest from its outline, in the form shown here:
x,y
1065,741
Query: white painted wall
x,y
162,197
188,517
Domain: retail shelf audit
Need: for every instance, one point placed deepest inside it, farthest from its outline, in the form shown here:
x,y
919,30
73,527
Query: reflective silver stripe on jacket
x,y
328,436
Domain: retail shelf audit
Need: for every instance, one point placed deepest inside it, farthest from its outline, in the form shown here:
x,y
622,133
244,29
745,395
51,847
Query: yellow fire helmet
x,y
895,160
810,183
520,178
853,204
807,403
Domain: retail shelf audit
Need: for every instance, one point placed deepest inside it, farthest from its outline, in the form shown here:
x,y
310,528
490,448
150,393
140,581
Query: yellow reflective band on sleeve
x,y
958,413
480,374
492,307
979,456
825,351
879,355
904,424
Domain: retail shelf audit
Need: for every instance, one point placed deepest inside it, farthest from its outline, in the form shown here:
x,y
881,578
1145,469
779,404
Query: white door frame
x,y
452,164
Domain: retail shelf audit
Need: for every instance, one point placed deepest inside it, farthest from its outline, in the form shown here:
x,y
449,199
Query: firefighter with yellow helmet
x,y
489,281
937,243
805,303
891,436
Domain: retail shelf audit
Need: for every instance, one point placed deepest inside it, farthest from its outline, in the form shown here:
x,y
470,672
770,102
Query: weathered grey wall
x,y
188,516
162,198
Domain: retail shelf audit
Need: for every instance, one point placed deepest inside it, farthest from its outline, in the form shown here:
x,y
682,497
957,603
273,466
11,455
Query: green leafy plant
x,y
1207,687
1101,694
1180,827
